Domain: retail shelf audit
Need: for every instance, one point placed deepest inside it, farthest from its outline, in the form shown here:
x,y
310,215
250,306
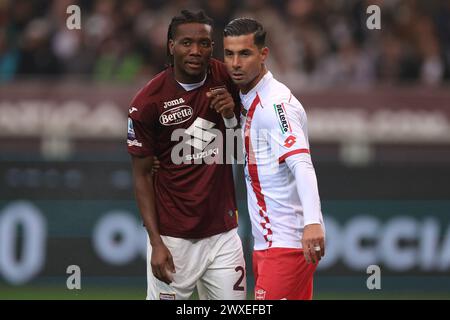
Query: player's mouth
x,y
194,64
237,76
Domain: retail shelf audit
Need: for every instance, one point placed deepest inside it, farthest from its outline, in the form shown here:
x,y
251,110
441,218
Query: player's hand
x,y
313,238
156,165
222,102
162,263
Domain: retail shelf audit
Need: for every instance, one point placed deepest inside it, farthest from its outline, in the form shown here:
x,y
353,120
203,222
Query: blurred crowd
x,y
313,43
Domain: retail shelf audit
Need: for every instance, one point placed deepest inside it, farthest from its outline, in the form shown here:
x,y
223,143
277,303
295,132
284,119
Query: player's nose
x,y
195,49
235,63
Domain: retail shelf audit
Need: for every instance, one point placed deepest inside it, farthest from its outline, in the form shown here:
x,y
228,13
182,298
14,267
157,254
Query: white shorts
x,y
215,265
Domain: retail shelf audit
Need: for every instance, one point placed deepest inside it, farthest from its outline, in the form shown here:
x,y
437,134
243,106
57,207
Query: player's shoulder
x,y
277,93
273,91
152,89
279,104
148,96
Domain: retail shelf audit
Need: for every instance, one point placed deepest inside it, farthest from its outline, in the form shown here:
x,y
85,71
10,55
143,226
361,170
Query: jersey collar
x,y
178,87
256,88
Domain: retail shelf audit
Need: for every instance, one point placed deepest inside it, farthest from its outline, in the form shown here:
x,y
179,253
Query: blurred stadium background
x,y
378,103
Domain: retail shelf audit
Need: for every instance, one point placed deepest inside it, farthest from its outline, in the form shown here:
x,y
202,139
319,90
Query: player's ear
x,y
212,48
171,45
264,53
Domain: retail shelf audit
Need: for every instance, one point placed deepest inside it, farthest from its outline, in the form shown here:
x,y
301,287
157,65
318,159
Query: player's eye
x,y
205,44
186,43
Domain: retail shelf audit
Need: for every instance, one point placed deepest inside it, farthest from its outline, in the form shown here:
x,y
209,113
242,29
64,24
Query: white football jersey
x,y
274,128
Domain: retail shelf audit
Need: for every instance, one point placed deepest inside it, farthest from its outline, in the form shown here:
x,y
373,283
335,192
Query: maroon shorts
x,y
282,273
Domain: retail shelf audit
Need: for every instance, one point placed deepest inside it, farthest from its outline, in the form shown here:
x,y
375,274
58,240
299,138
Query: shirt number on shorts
x,y
238,285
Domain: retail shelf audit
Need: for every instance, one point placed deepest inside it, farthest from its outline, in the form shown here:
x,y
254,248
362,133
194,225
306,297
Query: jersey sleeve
x,y
305,177
142,124
285,124
288,140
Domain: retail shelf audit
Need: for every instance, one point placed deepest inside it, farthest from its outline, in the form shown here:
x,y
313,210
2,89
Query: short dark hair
x,y
244,26
186,17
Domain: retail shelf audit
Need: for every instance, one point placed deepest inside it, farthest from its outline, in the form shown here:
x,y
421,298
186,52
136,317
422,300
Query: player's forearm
x,y
305,177
145,196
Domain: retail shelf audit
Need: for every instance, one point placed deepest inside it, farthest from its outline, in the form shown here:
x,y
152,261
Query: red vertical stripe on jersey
x,y
251,159
253,168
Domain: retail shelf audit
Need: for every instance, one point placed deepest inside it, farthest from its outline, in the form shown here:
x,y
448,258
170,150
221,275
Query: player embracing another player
x,y
189,206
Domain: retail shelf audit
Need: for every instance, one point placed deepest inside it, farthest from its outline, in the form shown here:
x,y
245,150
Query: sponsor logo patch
x,y
176,115
201,138
134,143
282,120
212,89
131,134
199,131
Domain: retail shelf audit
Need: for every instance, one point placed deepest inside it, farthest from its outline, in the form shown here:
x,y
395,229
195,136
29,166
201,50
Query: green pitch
x,y
134,293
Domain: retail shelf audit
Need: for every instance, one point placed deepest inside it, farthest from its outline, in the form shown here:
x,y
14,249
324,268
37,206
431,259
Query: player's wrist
x,y
231,122
156,241
227,113
312,222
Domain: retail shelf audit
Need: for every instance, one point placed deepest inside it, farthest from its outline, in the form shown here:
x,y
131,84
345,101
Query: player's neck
x,y
249,86
185,78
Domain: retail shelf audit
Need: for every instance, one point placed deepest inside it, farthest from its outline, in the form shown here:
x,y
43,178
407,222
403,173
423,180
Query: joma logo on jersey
x,y
173,103
284,124
176,116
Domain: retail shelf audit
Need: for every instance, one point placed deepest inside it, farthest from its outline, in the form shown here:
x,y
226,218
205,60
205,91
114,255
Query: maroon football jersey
x,y
193,200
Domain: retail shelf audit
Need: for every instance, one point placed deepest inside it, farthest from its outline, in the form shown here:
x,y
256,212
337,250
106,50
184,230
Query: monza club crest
x,y
260,294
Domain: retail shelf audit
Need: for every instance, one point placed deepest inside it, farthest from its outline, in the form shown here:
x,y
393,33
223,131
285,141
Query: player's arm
x,y
286,122
305,177
161,260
